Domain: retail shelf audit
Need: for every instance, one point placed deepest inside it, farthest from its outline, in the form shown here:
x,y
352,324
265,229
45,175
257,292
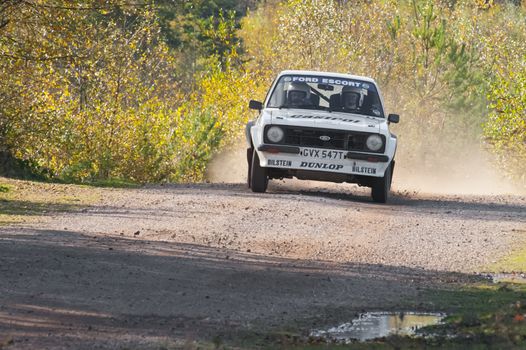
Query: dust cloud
x,y
472,172
230,165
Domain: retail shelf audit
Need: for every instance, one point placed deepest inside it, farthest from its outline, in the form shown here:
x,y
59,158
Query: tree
x,y
505,129
85,85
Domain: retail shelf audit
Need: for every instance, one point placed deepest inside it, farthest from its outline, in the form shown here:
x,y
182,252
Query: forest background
x,y
149,91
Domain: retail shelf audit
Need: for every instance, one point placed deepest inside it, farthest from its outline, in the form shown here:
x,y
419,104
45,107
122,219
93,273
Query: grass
x,y
478,298
107,183
113,183
490,315
515,262
26,201
482,316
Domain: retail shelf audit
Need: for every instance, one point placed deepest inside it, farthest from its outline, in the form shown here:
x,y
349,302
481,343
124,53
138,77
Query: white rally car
x,y
322,126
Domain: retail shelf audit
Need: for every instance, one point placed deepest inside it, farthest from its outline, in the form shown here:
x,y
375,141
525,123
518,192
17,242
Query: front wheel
x,y
250,153
258,175
381,186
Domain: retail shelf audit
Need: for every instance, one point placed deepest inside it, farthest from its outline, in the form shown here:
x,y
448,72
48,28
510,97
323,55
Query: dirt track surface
x,y
167,265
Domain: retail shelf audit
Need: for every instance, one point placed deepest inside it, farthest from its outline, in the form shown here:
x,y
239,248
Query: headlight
x,y
374,143
275,134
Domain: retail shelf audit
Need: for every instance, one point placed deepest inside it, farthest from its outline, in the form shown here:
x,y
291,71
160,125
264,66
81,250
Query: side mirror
x,y
393,118
255,105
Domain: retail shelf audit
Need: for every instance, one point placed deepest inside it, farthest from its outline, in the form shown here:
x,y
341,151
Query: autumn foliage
x,y
150,90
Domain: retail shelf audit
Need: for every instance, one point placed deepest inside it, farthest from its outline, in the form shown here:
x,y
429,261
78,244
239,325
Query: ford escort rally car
x,y
322,126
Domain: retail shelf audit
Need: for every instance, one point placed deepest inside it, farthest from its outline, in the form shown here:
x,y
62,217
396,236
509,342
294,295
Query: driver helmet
x,y
298,94
352,98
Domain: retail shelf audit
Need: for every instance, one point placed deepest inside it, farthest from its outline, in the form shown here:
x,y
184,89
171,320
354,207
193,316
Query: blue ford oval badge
x,y
325,138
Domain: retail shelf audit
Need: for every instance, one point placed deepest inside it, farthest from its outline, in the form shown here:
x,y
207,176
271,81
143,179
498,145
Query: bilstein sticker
x,y
363,169
279,162
315,165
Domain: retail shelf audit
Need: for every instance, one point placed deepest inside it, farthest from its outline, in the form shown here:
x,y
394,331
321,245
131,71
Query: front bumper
x,y
324,160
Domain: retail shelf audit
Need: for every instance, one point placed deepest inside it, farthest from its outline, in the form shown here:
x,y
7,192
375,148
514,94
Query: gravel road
x,y
164,266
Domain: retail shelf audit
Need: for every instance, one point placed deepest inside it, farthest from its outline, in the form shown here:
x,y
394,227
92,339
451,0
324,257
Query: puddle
x,y
374,325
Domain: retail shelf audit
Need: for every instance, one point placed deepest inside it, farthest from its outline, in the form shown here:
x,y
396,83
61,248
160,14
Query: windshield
x,y
326,94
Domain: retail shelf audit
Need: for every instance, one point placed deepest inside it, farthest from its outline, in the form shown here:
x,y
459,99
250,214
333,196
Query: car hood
x,y
328,120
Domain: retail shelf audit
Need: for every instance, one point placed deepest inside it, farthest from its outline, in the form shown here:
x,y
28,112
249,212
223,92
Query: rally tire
x,y
250,153
382,186
392,170
258,175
